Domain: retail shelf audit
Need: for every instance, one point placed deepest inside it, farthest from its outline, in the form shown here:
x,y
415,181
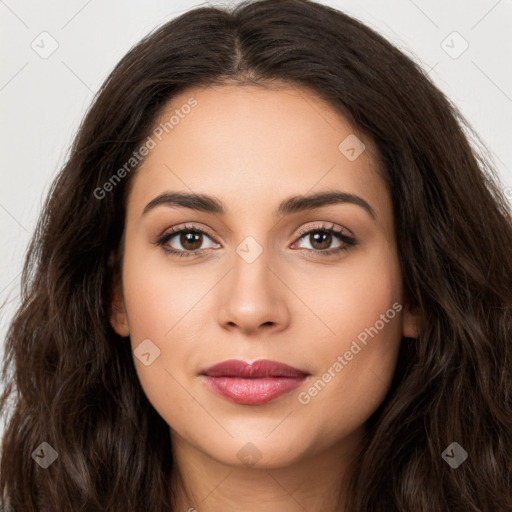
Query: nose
x,y
253,298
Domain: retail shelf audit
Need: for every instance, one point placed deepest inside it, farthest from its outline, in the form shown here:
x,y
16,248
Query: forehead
x,y
252,146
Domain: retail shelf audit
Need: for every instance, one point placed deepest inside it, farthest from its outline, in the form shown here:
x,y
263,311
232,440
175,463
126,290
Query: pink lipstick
x,y
252,384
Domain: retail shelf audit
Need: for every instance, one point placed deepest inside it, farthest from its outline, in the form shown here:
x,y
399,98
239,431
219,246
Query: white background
x,y
42,101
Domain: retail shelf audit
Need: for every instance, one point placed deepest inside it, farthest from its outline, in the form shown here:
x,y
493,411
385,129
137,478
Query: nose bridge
x,y
253,253
253,295
250,275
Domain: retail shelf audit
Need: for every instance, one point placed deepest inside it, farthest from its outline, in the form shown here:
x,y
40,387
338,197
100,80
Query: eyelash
x,y
348,241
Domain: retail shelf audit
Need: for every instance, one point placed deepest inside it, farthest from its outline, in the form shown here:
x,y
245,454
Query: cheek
x,y
163,319
160,299
163,309
359,360
352,297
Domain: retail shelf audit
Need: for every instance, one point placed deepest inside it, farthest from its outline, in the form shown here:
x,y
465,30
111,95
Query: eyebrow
x,y
294,204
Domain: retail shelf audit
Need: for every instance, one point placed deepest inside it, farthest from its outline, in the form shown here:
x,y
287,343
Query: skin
x,y
251,148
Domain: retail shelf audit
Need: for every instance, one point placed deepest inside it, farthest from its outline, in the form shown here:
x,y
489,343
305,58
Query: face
x,y
315,285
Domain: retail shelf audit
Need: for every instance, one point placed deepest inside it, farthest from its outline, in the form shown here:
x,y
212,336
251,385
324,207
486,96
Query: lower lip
x,y
252,391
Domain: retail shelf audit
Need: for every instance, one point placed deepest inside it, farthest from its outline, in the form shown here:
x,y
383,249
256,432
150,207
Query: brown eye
x,y
185,241
321,238
190,240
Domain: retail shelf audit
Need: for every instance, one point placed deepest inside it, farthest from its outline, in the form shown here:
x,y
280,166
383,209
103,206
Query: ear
x,y
118,316
412,320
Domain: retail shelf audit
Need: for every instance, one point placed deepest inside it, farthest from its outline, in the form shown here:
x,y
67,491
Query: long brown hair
x,y
70,379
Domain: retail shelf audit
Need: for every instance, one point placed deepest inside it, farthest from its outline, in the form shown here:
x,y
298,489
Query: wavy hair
x,y
70,380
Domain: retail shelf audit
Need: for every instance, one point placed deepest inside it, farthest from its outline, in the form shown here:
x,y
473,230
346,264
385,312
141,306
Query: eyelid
x,y
186,227
323,225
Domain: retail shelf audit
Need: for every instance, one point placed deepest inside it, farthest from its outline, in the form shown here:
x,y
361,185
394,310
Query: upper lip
x,y
256,370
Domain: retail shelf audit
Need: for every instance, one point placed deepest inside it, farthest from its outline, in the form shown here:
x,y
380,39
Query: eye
x,y
321,237
189,237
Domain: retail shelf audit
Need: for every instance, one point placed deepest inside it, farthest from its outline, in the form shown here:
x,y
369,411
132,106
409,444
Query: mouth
x,y
252,384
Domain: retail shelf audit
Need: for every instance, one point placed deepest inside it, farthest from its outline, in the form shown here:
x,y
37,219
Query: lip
x,y
252,383
256,370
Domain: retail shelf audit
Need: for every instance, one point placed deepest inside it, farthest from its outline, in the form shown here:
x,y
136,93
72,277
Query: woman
x,y
338,334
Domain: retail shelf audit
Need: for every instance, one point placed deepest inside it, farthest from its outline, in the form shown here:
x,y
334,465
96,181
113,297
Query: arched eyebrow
x,y
293,204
